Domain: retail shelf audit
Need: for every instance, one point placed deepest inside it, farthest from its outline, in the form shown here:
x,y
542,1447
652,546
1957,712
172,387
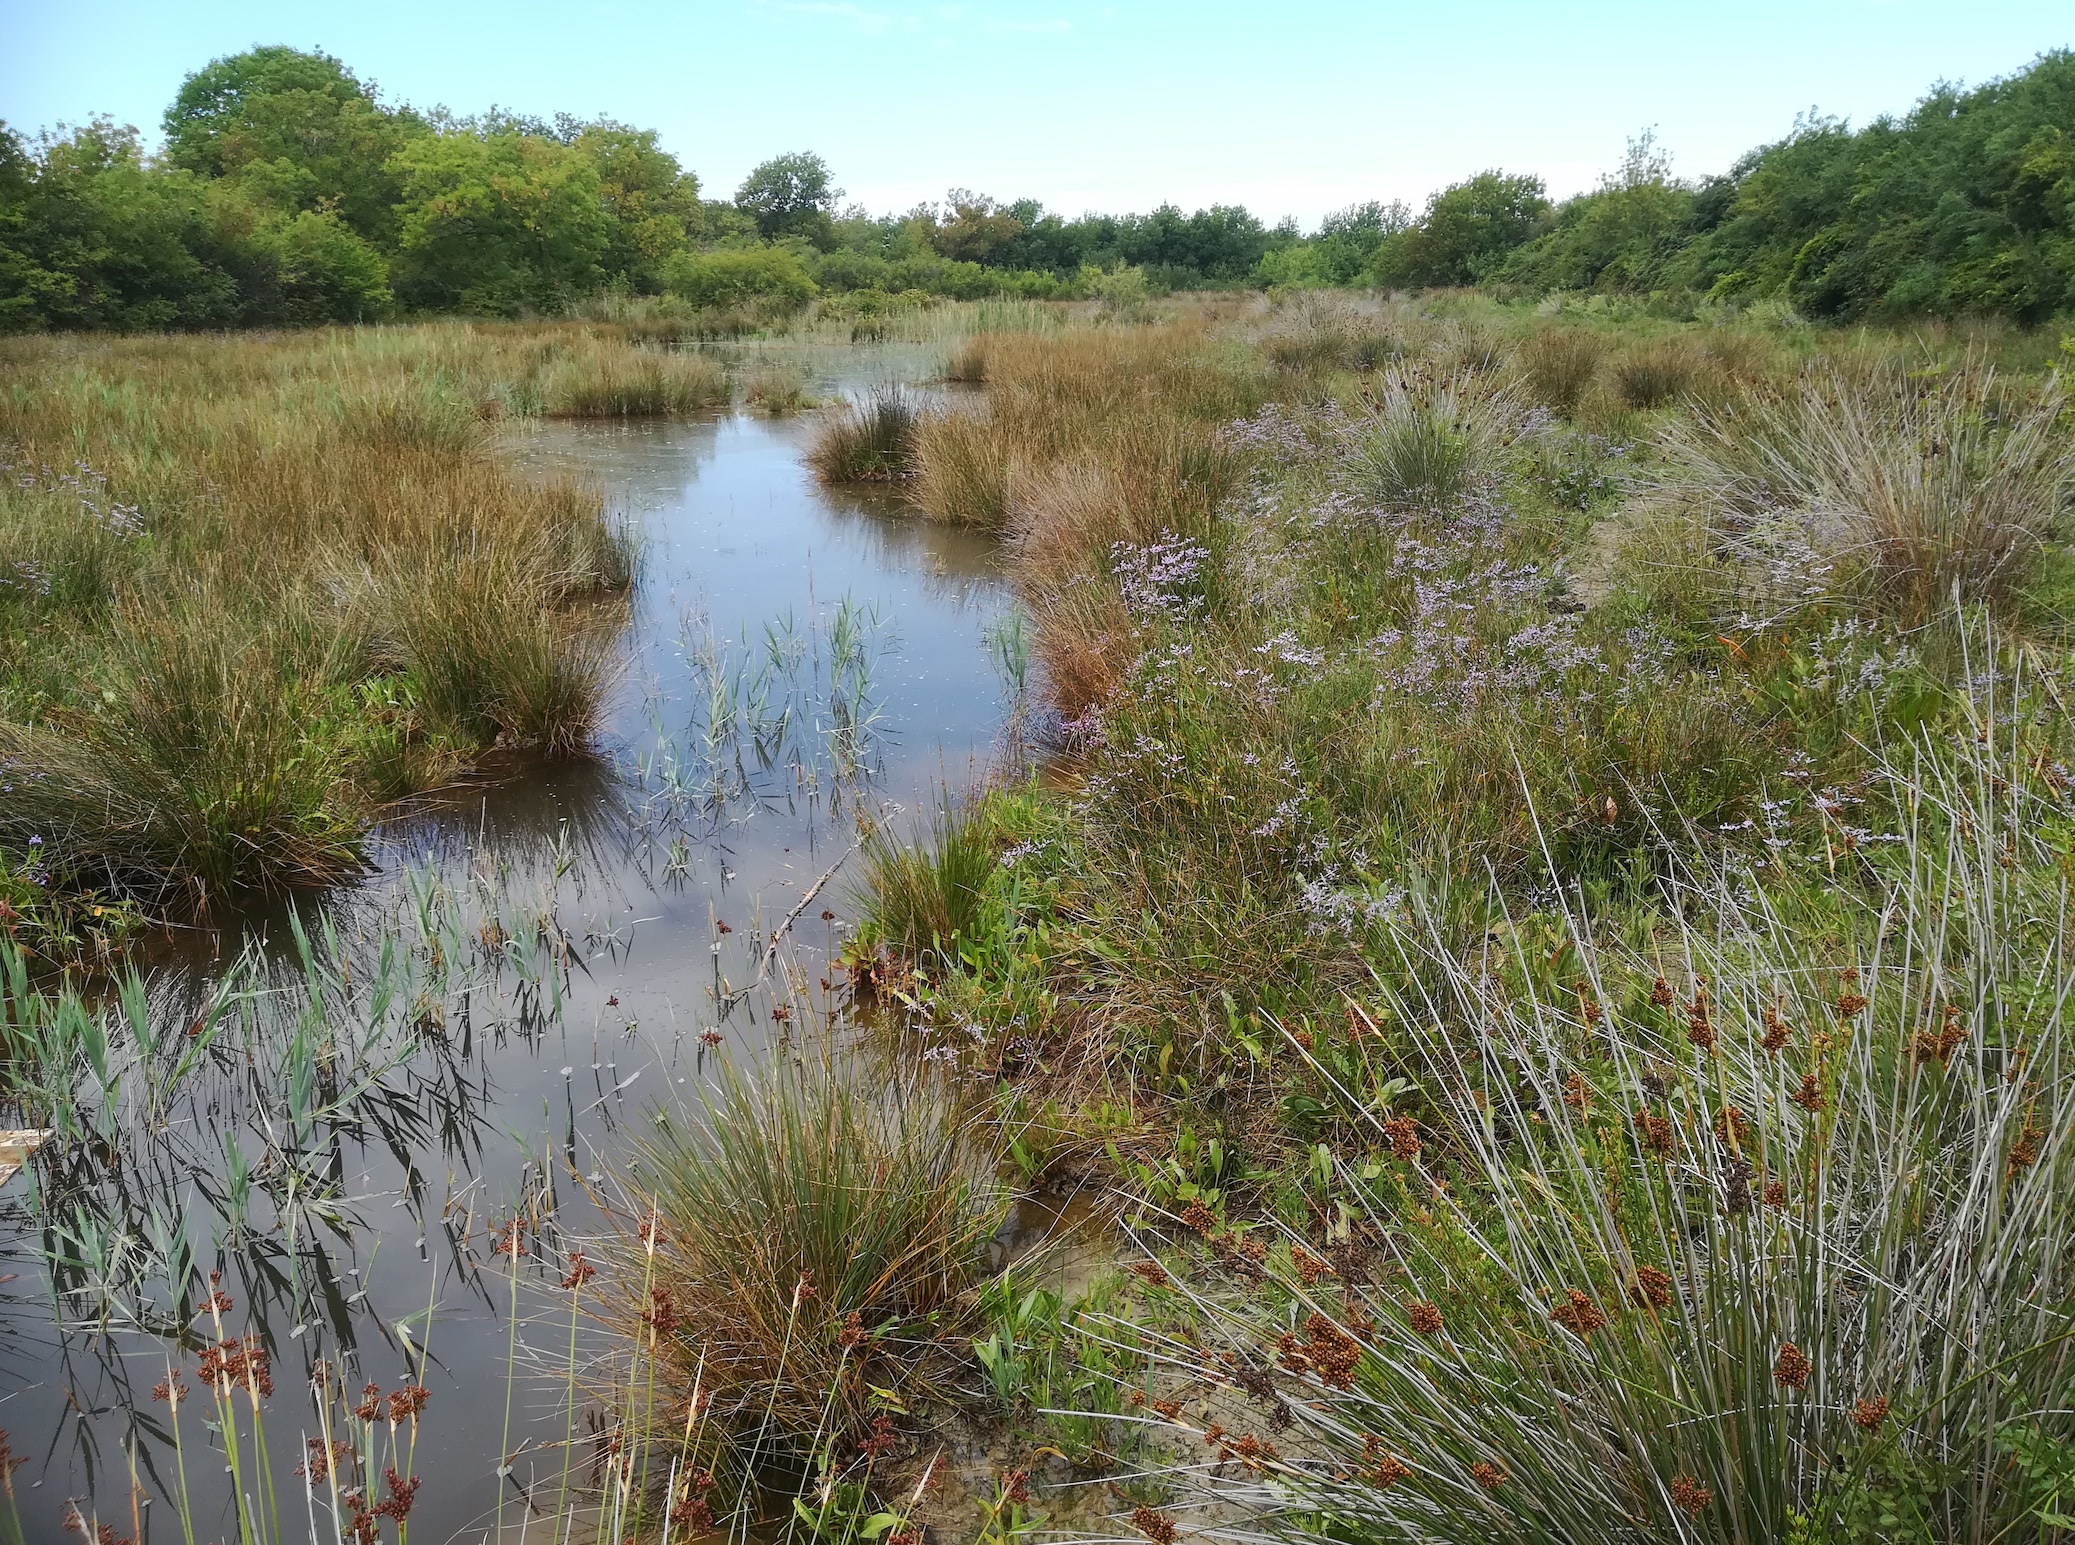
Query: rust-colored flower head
x,y
1331,1352
1700,1027
1733,1126
1576,1092
1661,994
1403,1131
1309,1266
2024,1153
1390,1470
370,1407
1849,1004
1423,1317
1152,1272
1656,1131
660,1314
1689,1496
1589,1010
1790,1370
1199,1217
1776,1032
1578,1314
580,1271
1487,1475
1870,1415
402,1493
1015,1487
1652,1287
1776,1193
407,1402
1810,1096
1167,1410
852,1335
1154,1525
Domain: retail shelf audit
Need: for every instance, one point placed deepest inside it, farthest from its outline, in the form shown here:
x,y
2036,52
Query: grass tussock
x,y
806,1234
1561,365
1779,1199
632,383
268,583
1906,493
868,441
777,389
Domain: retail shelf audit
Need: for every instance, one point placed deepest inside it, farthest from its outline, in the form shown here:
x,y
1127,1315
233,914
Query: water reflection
x,y
334,1104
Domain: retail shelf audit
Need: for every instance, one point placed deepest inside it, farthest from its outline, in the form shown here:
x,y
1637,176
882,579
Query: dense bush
x,y
733,277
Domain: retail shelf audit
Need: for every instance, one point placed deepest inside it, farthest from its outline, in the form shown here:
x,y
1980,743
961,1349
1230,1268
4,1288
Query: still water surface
x,y
577,941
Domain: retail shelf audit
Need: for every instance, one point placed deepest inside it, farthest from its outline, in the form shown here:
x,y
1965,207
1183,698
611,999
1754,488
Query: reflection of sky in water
x,y
541,1067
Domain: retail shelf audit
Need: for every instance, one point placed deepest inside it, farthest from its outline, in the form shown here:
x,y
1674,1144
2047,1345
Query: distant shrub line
x,y
288,194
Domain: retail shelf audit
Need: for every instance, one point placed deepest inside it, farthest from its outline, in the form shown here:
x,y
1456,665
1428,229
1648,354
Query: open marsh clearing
x,y
540,957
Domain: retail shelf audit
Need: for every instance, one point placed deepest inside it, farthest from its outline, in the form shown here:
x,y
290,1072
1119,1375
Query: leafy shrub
x,y
771,276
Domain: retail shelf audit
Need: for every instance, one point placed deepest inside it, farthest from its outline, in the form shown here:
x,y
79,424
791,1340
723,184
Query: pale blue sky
x,y
1291,108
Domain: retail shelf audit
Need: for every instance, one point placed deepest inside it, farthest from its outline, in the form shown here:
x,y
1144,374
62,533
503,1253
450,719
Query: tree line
x,y
287,192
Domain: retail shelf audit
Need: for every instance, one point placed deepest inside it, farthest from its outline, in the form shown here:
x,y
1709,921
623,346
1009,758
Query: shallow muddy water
x,y
538,962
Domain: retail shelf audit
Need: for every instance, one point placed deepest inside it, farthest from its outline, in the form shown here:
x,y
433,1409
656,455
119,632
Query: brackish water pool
x,y
538,963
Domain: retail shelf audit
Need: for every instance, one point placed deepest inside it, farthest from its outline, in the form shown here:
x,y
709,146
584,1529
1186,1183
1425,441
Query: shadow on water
x,y
335,1101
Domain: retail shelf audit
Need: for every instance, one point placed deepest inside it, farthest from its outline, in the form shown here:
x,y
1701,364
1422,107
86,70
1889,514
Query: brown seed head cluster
x,y
1152,1272
1015,1487
1423,1317
1733,1126
1487,1475
1403,1132
1689,1496
1790,1370
1390,1470
580,1271
370,1407
1938,1046
1655,1131
882,1440
1578,1314
1849,1004
240,1363
2024,1153
660,1315
1154,1525
406,1403
1776,1193
1309,1266
1652,1287
1700,1028
1870,1415
1332,1353
1575,1092
852,1335
1199,1217
402,1493
1776,1033
1810,1096
1661,994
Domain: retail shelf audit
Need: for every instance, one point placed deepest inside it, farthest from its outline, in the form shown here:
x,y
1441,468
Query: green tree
x,y
96,238
1466,233
651,202
792,195
976,229
299,129
497,223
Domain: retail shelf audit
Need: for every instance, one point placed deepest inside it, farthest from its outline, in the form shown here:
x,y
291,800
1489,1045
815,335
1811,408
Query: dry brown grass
x,y
1089,439
328,508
